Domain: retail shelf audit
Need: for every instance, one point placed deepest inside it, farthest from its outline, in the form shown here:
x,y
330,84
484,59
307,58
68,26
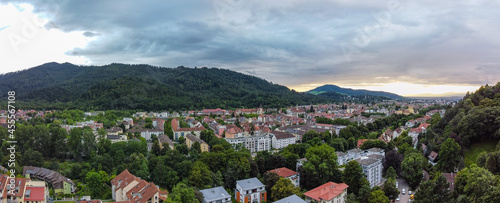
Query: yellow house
x,y
191,139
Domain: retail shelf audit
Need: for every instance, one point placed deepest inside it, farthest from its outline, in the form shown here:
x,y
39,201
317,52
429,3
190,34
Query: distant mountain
x,y
352,92
122,86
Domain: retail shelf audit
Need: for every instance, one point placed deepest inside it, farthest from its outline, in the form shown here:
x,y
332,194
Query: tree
x,y
354,177
75,142
58,139
390,173
425,193
322,164
393,159
95,182
434,191
32,158
449,156
390,189
196,146
270,180
378,196
143,172
89,142
200,176
156,149
182,193
412,168
309,135
474,182
284,188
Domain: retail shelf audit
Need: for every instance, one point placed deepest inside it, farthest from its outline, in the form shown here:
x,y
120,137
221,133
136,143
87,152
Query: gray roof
x,y
249,183
365,161
375,149
291,199
354,150
376,156
340,154
215,193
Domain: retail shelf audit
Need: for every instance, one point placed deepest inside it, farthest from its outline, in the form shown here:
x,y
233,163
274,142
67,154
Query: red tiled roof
x,y
450,178
327,191
36,193
360,142
417,130
125,177
283,172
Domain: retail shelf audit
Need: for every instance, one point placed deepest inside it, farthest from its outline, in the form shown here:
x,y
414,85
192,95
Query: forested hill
x,y
352,92
475,118
121,86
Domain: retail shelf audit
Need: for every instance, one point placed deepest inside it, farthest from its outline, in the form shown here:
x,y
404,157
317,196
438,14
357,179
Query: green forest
x,y
121,86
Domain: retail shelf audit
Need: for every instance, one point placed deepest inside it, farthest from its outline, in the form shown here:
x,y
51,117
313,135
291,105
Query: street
x,y
403,185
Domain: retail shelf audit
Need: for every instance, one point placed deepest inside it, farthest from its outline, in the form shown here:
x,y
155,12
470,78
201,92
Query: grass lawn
x,y
475,149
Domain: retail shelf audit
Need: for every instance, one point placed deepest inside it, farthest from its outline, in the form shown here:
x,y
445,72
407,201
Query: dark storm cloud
x,y
294,42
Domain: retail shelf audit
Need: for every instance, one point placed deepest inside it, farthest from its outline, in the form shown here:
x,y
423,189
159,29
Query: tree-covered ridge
x,y
122,86
473,119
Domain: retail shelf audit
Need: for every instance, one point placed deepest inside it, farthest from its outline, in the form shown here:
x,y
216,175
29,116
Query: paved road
x,y
403,185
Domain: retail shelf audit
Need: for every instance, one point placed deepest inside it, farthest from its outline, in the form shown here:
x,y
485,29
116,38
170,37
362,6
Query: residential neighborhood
x,y
263,133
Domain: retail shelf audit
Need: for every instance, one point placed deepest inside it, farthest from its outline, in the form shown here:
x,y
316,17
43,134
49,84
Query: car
x,y
397,185
403,192
397,199
409,192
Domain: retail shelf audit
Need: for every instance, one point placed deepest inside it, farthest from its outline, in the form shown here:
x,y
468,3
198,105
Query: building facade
x,y
250,191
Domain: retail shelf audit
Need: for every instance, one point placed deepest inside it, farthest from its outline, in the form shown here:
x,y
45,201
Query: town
x,y
219,155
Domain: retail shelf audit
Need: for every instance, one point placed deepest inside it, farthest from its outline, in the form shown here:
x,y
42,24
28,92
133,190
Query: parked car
x,y
409,192
397,184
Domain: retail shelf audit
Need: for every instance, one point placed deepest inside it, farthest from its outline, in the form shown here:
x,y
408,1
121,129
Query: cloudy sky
x,y
404,46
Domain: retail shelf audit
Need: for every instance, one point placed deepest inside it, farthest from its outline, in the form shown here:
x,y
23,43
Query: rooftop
x,y
326,191
283,172
215,193
250,183
291,199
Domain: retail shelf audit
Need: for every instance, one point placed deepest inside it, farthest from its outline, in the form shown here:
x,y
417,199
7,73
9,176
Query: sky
x,y
407,47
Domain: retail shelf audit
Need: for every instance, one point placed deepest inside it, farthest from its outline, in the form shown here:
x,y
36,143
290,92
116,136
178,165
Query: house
x,y
281,140
165,141
397,132
410,123
433,156
450,179
60,183
35,194
181,132
114,131
287,173
250,191
215,195
328,193
127,187
92,124
117,138
191,139
291,199
24,190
